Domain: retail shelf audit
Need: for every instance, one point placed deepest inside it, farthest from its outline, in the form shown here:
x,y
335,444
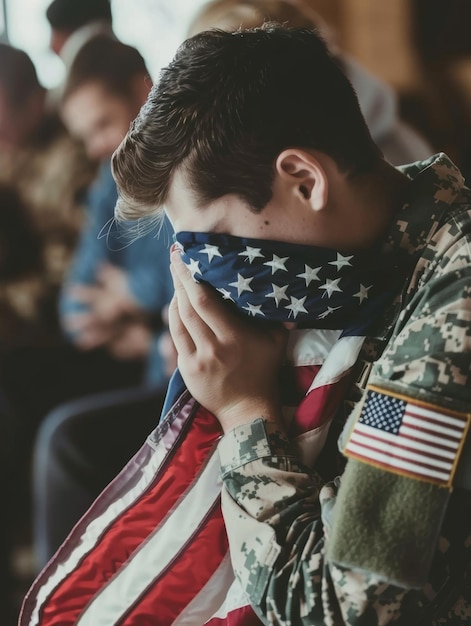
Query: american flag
x,y
408,437
152,549
281,281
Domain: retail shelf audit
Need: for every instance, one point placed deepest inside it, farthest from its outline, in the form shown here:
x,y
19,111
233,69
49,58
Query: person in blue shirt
x,y
113,301
119,285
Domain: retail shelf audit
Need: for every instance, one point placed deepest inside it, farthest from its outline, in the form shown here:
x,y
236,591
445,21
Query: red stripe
x,y
440,445
296,380
320,405
167,597
430,455
404,472
453,438
130,529
397,456
437,418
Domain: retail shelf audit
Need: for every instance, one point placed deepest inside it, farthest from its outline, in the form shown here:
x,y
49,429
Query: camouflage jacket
x,y
385,543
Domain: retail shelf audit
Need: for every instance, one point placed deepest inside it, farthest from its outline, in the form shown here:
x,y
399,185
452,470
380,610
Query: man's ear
x,y
304,175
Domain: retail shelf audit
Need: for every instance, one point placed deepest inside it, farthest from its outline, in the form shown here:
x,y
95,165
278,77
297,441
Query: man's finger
x,y
209,307
201,334
184,344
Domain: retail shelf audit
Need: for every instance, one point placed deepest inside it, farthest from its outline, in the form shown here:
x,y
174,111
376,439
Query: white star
x,y
251,253
254,309
310,274
194,268
278,263
296,306
330,286
225,294
211,251
242,284
328,312
341,261
278,293
363,293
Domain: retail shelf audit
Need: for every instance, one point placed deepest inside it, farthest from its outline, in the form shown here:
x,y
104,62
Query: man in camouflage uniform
x,y
235,142
424,358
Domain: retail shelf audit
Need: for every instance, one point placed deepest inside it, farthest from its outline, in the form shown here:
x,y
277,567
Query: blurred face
x,y
98,118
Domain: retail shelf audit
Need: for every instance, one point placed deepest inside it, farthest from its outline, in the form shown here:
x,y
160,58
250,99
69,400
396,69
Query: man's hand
x,y
229,364
87,330
109,298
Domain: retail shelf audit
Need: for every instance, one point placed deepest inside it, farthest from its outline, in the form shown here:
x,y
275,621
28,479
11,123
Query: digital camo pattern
x,y
277,512
428,355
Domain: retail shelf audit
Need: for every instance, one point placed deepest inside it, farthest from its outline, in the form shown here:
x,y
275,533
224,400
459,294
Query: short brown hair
x,y
227,105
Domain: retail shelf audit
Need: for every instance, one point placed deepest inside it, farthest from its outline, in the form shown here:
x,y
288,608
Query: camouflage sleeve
x,y
429,356
396,492
277,514
281,519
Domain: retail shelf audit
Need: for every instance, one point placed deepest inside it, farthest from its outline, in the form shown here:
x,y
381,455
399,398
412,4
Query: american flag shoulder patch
x,y
409,437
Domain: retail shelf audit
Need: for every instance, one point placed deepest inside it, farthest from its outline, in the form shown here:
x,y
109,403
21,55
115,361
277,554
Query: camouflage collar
x,y
436,183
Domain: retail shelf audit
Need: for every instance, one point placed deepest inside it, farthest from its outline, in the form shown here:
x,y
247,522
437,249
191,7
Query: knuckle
x,y
202,299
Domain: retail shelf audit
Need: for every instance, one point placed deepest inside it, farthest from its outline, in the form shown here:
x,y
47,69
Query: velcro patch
x,y
408,437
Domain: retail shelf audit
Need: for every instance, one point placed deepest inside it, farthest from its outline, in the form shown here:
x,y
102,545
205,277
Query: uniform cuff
x,y
251,442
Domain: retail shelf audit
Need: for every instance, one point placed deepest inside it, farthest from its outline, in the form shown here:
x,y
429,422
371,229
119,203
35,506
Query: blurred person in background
x,y
399,142
48,171
43,174
73,22
113,300
117,289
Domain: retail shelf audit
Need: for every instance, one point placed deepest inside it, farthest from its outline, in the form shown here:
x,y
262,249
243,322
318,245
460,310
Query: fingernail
x,y
176,260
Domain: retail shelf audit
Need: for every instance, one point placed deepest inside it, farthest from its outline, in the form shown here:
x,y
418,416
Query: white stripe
x,y
441,417
310,346
388,437
236,598
407,419
389,449
341,358
157,552
215,590
398,463
88,540
453,445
